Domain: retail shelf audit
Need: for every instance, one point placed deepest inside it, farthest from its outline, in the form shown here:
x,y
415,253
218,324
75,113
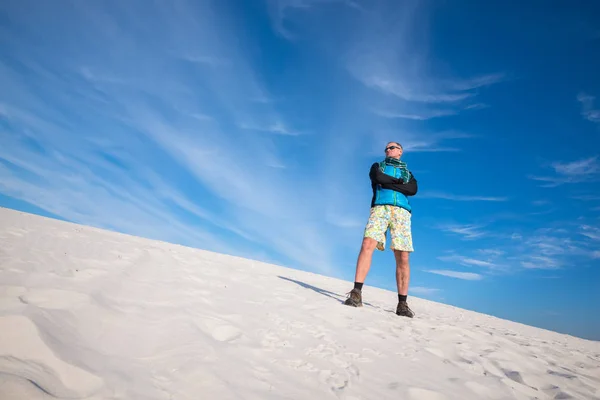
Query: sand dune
x,y
91,314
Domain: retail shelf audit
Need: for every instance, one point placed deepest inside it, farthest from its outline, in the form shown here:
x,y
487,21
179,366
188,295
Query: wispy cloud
x,y
423,290
468,261
392,59
276,127
558,245
469,276
588,111
371,75
583,170
583,167
592,232
491,252
415,142
554,247
423,113
282,10
158,149
389,58
541,262
466,231
213,62
456,197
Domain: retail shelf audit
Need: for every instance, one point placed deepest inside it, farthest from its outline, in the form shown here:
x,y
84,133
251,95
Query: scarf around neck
x,y
404,173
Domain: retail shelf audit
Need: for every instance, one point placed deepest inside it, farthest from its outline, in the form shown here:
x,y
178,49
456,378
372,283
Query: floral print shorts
x,y
397,220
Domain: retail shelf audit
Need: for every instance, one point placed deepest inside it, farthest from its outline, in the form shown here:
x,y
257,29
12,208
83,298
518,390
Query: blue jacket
x,y
389,188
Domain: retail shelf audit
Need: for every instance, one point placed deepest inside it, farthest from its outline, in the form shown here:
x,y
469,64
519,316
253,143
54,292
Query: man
x,y
392,183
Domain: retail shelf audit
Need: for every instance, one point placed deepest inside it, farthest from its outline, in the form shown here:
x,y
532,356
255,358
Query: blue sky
x,y
248,128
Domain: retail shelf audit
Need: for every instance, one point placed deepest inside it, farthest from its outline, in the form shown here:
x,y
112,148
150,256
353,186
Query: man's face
x,y
393,150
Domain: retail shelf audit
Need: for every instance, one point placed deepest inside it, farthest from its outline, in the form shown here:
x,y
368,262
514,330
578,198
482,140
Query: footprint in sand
x,y
336,381
219,329
226,333
372,352
55,299
424,394
301,365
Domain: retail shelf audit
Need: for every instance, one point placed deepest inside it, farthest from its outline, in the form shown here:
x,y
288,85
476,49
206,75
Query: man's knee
x,y
368,244
402,258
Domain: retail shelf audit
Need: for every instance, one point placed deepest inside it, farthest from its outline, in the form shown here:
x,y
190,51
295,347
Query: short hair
x,y
398,144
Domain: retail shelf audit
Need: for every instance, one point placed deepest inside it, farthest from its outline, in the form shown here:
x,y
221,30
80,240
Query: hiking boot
x,y
403,310
354,298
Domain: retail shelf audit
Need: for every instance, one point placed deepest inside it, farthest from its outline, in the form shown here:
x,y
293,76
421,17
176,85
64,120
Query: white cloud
x,y
583,167
456,197
475,82
467,231
469,276
591,232
560,245
392,59
583,170
541,262
415,142
423,290
422,116
405,91
111,137
589,112
387,59
214,62
423,113
491,252
548,245
281,11
468,261
277,127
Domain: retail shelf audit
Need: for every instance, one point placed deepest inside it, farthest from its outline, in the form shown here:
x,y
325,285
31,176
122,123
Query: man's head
x,y
393,150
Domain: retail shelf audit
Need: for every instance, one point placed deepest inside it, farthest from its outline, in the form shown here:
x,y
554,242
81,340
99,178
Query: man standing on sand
x,y
392,183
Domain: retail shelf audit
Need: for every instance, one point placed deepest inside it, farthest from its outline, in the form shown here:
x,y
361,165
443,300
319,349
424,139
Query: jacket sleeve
x,y
381,178
409,189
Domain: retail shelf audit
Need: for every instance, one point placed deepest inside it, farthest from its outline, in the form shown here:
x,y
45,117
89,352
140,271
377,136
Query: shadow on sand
x,y
335,296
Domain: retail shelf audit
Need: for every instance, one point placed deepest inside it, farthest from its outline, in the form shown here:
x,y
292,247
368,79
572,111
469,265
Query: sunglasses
x,y
392,148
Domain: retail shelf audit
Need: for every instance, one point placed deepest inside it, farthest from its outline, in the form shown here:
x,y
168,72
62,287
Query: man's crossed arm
x,y
389,182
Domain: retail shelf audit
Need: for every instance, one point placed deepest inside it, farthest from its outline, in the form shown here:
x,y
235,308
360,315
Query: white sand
x,y
86,313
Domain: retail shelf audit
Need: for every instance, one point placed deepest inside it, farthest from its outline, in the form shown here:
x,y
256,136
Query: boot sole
x,y
353,305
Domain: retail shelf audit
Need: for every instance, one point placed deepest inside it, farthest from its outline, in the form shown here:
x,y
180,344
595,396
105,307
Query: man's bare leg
x,y
402,271
402,280
363,264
